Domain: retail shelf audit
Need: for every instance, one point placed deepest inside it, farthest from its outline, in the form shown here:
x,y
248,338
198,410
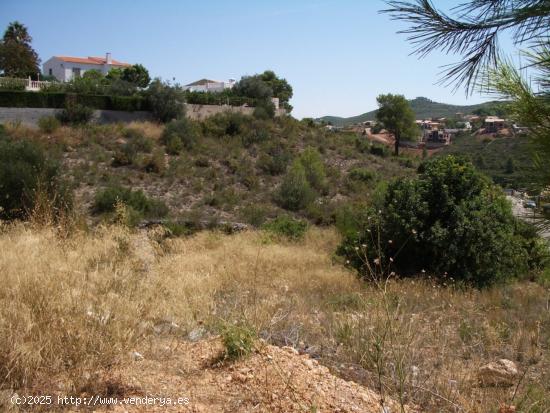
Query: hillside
x,y
423,107
231,174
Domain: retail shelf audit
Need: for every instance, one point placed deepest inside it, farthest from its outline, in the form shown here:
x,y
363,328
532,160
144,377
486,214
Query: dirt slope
x,y
273,379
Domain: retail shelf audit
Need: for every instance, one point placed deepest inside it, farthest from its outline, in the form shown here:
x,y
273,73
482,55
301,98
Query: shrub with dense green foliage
x,y
48,124
107,199
166,102
287,227
27,171
238,340
295,192
75,114
314,168
450,221
179,134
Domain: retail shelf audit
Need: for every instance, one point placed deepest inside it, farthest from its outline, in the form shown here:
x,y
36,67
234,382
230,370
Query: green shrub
x,y
255,136
48,124
75,114
254,214
138,140
264,110
156,162
166,102
27,171
179,134
287,227
379,150
449,221
295,193
238,340
225,124
105,201
314,169
275,160
361,174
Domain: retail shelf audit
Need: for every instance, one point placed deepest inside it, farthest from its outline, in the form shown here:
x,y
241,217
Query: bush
x,y
75,114
166,102
314,169
238,340
264,110
156,162
379,150
26,172
295,193
254,214
361,174
48,124
287,227
179,134
451,222
275,160
106,200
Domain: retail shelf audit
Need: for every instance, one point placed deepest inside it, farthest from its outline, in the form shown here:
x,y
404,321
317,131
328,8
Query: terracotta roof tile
x,y
90,60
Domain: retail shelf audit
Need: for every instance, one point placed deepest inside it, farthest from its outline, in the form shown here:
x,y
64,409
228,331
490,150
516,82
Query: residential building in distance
x,y
66,68
209,85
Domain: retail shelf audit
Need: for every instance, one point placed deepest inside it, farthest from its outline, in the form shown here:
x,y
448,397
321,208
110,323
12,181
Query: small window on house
x,y
76,72
50,72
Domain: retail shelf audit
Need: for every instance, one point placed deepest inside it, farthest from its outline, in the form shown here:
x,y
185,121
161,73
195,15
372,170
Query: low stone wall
x,y
30,116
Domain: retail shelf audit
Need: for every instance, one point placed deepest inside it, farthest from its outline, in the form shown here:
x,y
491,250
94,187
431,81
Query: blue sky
x,y
337,54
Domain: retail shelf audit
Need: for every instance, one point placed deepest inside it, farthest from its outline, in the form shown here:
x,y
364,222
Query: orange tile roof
x,y
90,60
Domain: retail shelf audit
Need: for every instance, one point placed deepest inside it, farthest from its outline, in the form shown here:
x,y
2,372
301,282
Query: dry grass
x,y
150,129
74,306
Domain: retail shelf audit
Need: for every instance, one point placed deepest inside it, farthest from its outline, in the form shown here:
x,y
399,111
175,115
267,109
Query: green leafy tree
x,y
450,221
395,114
17,57
281,88
166,101
253,87
473,33
137,75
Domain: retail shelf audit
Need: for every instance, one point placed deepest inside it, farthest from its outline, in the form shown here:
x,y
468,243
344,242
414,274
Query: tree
x,y
166,101
17,57
253,87
264,86
136,74
473,33
281,88
396,115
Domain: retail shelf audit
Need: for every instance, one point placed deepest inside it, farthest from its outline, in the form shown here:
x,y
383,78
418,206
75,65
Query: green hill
x,y
423,108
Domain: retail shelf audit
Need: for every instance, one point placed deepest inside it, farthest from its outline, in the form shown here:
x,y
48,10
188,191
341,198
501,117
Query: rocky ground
x,y
273,379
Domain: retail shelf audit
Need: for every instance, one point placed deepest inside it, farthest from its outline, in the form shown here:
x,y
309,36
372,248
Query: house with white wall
x,y
66,68
209,85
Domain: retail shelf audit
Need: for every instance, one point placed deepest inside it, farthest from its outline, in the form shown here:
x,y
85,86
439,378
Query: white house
x,y
65,68
208,85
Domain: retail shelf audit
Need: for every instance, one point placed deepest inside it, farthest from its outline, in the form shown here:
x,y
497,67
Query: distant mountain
x,y
424,108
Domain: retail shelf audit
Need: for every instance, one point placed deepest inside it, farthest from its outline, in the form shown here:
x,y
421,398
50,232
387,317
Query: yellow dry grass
x,y
72,307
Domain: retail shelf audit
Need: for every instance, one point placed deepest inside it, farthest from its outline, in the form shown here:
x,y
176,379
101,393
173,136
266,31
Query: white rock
x,y
498,373
137,356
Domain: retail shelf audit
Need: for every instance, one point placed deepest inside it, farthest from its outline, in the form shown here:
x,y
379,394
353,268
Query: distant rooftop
x,y
91,60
